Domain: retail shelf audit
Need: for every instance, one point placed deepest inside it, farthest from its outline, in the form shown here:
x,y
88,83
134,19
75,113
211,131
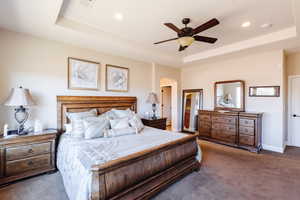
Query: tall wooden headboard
x,y
83,103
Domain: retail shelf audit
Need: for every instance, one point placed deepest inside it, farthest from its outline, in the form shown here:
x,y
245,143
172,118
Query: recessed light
x,y
266,25
246,24
118,16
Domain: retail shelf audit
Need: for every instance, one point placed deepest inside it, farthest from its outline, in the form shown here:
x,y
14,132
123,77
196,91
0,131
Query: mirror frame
x,y
182,113
277,91
242,96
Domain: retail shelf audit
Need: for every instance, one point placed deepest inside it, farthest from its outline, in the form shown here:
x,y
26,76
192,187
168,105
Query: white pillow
x,y
81,115
136,122
95,127
77,122
110,115
119,123
68,128
119,132
122,113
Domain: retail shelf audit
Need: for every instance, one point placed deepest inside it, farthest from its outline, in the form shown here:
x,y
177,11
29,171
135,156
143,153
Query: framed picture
x,y
82,74
117,78
264,91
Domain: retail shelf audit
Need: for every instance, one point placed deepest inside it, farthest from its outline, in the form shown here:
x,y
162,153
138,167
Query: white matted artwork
x,y
117,78
82,74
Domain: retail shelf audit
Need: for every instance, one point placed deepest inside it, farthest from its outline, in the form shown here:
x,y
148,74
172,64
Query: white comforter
x,y
76,156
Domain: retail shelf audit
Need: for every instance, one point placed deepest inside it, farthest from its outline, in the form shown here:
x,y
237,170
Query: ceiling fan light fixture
x,y
186,41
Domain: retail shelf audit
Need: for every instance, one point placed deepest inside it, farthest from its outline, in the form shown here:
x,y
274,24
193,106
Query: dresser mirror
x,y
192,102
230,95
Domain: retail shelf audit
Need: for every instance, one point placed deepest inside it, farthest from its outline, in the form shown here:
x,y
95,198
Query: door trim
x,y
290,138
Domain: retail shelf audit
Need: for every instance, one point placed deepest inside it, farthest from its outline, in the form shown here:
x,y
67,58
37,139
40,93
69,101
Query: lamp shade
x,y
152,98
19,97
186,41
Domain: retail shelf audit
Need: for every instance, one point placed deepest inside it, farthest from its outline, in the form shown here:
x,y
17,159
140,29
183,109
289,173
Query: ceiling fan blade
x,y
165,41
181,48
211,23
205,39
173,27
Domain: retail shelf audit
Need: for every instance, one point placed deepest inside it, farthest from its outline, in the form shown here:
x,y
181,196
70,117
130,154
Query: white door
x,y
166,94
294,118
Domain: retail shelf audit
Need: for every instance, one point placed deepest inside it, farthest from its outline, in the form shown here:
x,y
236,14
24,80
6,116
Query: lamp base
x,y
154,111
21,116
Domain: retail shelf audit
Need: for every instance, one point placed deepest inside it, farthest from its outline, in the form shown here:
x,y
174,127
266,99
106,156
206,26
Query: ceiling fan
x,y
187,35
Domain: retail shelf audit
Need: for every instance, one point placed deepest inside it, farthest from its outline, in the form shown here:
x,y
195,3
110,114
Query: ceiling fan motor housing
x,y
186,31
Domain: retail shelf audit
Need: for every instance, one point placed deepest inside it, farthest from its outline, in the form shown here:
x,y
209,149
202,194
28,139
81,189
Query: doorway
x,y
169,110
166,104
294,111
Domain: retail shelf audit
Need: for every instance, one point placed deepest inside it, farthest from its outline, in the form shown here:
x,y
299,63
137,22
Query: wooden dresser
x,y
160,123
237,129
25,156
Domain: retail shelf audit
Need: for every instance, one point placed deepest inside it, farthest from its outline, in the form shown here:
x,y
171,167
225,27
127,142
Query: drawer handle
x,y
30,151
30,163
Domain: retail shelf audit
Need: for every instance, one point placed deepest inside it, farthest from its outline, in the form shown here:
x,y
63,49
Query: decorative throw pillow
x,y
119,123
77,128
136,122
122,113
120,132
95,127
77,121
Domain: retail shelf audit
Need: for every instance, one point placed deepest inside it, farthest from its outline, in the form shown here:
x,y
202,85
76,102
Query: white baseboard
x,y
272,148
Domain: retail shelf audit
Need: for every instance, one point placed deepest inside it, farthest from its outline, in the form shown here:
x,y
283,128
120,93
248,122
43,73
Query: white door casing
x,y
294,111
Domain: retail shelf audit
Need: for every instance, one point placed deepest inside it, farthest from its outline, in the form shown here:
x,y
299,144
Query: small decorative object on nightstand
x,y
153,99
27,155
20,97
160,123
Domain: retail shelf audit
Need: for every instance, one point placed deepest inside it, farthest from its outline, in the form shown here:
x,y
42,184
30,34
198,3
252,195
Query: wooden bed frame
x,y
140,175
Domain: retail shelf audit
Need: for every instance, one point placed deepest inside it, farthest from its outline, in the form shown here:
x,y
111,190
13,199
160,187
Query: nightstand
x,y
25,156
160,123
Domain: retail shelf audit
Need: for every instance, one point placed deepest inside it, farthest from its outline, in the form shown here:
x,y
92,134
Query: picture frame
x,y
117,78
83,74
264,91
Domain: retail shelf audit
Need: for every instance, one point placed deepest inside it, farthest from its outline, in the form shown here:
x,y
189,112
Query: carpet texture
x,y
226,174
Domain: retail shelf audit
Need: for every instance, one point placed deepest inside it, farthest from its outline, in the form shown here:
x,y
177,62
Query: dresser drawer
x,y
225,120
247,140
224,127
204,125
247,130
14,153
28,164
223,136
247,122
204,117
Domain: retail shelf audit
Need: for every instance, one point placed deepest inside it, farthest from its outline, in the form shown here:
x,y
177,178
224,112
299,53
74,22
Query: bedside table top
x,y
46,134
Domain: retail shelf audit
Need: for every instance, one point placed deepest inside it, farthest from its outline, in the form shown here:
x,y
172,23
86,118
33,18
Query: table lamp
x,y
20,97
153,99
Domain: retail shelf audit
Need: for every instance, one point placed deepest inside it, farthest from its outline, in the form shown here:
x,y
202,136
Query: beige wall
x,y
293,64
258,69
41,66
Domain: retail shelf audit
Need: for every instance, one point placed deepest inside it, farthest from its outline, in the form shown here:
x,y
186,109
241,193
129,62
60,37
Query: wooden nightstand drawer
x,y
23,165
14,153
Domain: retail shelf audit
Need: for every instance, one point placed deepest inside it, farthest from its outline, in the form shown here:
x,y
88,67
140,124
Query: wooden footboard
x,y
143,174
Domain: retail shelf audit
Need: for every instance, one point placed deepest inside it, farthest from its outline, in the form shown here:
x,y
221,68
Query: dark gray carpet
x,y
226,174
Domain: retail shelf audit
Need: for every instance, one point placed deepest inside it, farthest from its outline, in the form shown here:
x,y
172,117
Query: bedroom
x,y
37,38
